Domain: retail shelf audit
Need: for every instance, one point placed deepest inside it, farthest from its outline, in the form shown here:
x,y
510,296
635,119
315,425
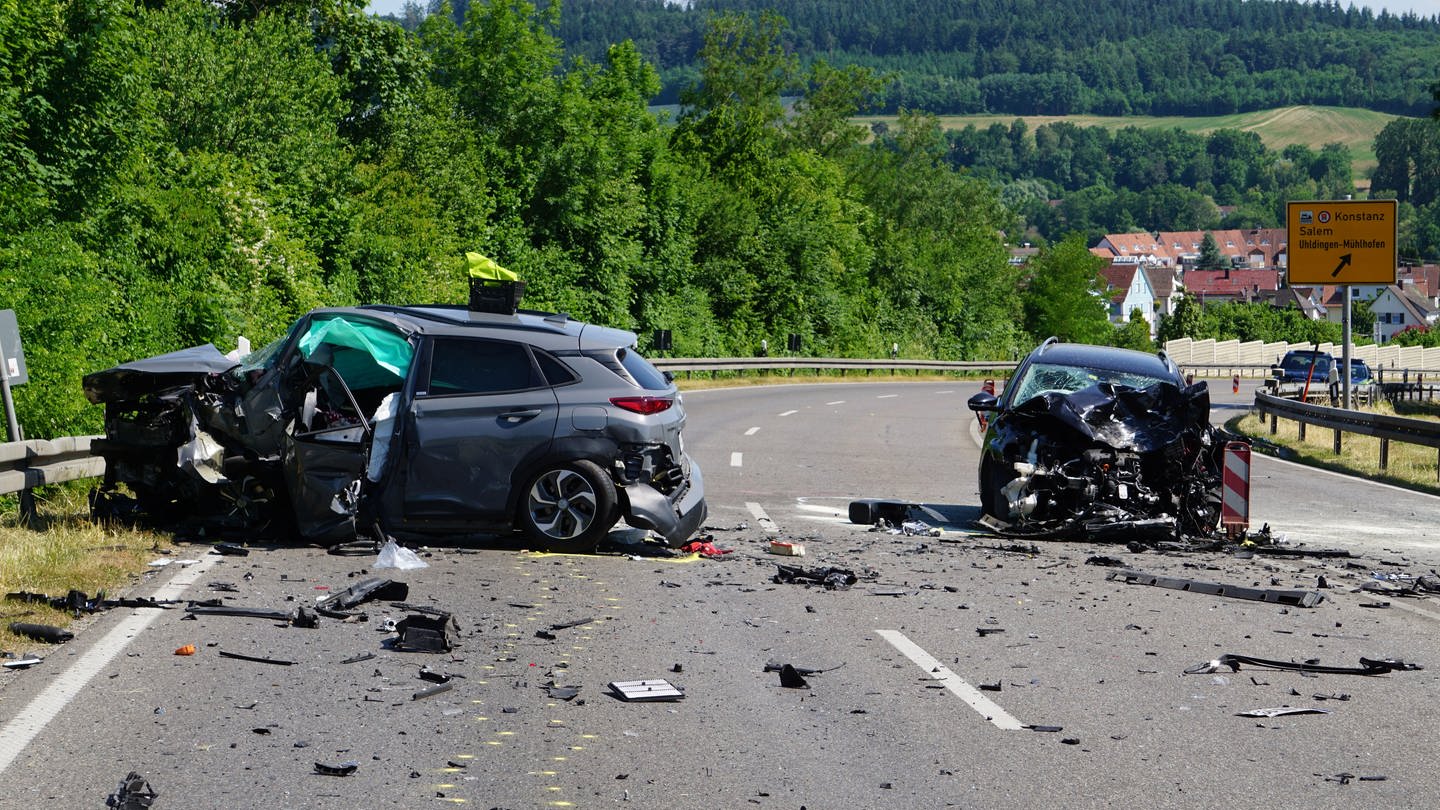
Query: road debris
x,y
394,555
790,678
1368,666
188,649
256,659
22,663
425,633
340,769
655,690
786,549
1299,598
432,691
364,591
134,793
42,632
1282,711
831,578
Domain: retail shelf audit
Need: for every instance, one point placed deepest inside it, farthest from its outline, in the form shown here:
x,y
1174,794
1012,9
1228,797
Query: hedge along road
x,y
1042,637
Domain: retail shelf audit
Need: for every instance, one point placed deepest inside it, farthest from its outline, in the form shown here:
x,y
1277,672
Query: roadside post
x,y
1235,489
1344,243
13,372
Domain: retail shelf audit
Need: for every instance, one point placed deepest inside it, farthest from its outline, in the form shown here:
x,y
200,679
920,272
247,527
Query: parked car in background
x,y
1300,365
406,420
1102,443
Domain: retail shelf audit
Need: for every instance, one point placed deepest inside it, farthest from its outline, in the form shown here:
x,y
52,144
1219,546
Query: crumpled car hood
x,y
1140,419
128,381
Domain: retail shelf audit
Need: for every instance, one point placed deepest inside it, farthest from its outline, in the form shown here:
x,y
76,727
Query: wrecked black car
x,y
1100,443
370,420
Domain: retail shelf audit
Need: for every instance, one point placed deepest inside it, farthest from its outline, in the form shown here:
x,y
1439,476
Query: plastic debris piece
x,y
1281,711
256,659
562,692
423,633
1368,666
831,578
230,550
1047,729
22,663
646,691
1307,599
134,793
340,769
432,691
705,548
188,649
355,659
41,632
790,678
364,591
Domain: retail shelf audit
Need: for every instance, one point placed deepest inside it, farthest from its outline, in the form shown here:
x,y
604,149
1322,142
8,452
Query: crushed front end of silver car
x,y
1111,462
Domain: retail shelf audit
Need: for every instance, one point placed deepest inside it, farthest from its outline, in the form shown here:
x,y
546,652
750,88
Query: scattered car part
x,y
1281,711
228,610
832,578
22,663
644,691
790,678
869,511
355,659
339,769
42,632
1299,598
134,793
186,649
432,691
374,588
256,659
422,633
230,550
1368,666
566,693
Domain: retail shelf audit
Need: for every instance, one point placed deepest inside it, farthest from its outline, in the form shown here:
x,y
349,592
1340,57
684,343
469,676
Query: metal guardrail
x,y
29,464
1385,428
842,364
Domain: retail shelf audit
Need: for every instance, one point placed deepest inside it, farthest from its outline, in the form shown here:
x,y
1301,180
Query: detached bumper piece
x,y
1306,599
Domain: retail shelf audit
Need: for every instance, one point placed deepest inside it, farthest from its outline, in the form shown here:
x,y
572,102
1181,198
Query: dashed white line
x,y
945,392
760,517
31,720
735,459
986,707
788,413
752,431
887,396
836,402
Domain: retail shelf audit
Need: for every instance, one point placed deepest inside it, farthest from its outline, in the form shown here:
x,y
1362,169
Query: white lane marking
x,y
887,396
816,507
752,431
735,459
944,392
986,707
31,720
1351,478
836,402
760,517
788,413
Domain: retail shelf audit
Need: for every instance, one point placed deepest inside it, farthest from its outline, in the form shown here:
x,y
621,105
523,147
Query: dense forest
x,y
1110,57
176,172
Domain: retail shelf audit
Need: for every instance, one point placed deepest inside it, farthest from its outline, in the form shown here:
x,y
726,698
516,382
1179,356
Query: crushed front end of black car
x,y
1107,462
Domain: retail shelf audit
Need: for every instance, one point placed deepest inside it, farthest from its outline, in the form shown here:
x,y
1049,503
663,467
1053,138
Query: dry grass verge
x,y
64,549
1412,466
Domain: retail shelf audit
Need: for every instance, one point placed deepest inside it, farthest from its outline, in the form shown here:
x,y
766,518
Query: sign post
x,y
1341,242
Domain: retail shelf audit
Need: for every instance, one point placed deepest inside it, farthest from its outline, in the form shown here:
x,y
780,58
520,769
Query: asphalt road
x,y
896,719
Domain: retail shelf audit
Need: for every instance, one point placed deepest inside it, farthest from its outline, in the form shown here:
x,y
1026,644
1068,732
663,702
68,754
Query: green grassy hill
x,y
1278,128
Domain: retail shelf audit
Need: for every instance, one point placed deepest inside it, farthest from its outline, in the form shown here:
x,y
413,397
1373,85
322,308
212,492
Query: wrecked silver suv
x,y
405,420
1100,443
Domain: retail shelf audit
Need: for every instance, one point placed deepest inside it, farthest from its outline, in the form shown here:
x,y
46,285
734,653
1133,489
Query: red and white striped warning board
x,y
1235,488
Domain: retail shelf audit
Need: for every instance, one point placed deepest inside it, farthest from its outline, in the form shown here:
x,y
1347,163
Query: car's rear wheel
x,y
568,506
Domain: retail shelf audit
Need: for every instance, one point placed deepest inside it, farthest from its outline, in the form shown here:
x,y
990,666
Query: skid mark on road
x,y
986,707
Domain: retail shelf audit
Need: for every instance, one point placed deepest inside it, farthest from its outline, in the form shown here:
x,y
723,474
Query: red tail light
x,y
643,405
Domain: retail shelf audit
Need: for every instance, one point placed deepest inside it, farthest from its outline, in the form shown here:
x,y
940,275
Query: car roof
x,y
550,330
1106,357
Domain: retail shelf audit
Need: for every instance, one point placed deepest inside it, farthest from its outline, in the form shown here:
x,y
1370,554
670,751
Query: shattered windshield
x,y
1044,377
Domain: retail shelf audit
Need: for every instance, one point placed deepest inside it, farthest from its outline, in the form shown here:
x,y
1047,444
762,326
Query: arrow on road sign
x,y
1344,263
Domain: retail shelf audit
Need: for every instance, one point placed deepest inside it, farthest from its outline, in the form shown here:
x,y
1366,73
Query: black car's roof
x,y
1086,355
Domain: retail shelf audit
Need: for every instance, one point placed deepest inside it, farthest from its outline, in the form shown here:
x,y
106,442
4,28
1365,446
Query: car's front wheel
x,y
993,479
568,506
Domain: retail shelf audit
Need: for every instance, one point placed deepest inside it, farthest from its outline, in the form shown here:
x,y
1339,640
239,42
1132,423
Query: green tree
x,y
1134,333
1210,256
1064,297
